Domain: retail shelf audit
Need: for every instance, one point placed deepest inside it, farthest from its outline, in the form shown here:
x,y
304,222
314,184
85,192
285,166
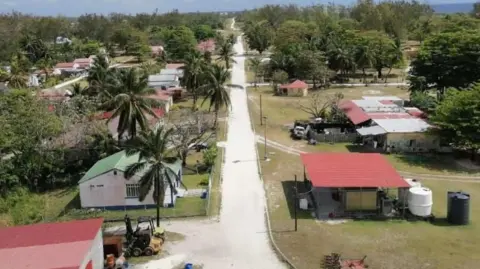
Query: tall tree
x,y
152,147
259,36
128,100
225,53
99,75
216,89
457,118
448,60
255,65
193,72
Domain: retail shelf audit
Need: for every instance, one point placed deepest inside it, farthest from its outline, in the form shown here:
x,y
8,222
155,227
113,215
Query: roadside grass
x,y
215,193
387,244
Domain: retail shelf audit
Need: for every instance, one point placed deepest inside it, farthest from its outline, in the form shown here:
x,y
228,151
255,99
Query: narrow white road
x,y
240,239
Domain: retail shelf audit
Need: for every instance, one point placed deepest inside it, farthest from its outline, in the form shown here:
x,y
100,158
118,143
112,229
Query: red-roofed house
x,y
174,65
164,97
84,63
75,244
207,45
346,184
296,88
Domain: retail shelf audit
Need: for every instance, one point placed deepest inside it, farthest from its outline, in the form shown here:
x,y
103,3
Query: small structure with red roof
x,y
206,46
346,184
66,245
296,88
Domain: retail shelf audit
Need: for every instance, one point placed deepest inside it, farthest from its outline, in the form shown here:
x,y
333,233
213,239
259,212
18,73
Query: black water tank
x,y
458,208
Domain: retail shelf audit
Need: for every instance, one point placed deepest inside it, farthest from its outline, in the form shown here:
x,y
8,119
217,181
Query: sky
x,y
78,7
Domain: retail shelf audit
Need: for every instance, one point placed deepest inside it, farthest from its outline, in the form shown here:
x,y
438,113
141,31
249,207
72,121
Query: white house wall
x,y
109,190
95,254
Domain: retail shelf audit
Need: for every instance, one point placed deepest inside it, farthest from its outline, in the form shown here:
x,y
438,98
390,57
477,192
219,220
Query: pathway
x,y
240,238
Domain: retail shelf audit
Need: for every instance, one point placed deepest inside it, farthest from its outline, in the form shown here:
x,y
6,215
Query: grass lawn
x,y
184,207
216,194
388,244
283,111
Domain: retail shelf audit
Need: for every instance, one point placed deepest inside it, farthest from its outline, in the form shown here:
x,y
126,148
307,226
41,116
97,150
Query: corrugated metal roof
x,y
171,71
372,130
382,98
119,161
401,115
412,125
354,113
52,256
338,170
49,233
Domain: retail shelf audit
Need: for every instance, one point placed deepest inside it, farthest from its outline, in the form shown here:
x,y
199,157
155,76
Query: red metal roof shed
x,y
297,84
343,170
48,245
354,113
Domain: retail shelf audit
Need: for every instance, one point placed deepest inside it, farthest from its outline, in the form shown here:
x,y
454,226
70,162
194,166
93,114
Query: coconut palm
x,y
255,63
193,72
127,97
225,53
99,75
154,156
78,89
364,58
216,88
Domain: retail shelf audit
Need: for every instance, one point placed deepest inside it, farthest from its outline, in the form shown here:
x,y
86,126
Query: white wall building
x,y
104,185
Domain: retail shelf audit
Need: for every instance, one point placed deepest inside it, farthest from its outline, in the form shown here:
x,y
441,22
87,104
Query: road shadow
x,y
289,192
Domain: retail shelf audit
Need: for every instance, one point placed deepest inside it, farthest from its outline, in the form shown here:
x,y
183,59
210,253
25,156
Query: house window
x,y
132,190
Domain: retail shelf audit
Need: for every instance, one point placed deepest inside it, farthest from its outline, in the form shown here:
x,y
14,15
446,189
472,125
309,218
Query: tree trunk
x,y
364,76
388,73
216,119
157,183
472,154
184,157
194,105
379,70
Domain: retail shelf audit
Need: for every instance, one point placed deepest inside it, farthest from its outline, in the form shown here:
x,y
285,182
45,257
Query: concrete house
x,y
296,88
164,97
104,185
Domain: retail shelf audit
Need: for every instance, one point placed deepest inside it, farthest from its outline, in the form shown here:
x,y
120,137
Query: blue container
x,y
204,194
188,266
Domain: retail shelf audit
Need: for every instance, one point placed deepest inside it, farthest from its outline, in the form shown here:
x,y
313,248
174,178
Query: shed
x,y
296,88
67,245
105,186
348,182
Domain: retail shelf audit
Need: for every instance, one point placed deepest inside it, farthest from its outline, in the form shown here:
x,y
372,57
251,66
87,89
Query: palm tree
x,y
99,75
217,89
364,58
255,64
193,71
127,97
154,157
77,89
226,53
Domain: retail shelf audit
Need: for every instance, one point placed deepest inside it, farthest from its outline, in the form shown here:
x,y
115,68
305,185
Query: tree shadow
x,y
289,191
72,205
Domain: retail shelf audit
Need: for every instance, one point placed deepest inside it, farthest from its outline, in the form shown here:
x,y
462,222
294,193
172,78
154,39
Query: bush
x,y
210,155
23,207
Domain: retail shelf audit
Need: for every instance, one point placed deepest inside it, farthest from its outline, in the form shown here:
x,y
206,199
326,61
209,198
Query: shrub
x,y
210,155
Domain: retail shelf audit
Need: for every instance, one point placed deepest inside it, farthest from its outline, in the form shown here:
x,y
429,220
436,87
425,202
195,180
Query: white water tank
x,y
403,192
420,201
303,204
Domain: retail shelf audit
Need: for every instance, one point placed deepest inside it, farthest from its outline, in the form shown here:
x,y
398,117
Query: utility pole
x,y
295,203
265,139
261,114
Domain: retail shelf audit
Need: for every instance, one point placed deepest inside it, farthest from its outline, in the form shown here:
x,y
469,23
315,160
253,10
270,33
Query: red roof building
x,y
351,170
67,245
296,88
174,65
207,45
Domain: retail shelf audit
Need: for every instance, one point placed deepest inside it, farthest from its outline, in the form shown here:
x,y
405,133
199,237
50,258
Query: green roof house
x,y
104,185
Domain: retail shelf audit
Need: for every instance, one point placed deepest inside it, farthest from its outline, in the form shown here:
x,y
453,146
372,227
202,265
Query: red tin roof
x,y
297,84
354,113
342,170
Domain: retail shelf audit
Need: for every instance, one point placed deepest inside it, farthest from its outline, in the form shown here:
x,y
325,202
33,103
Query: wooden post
x,y
295,203
261,113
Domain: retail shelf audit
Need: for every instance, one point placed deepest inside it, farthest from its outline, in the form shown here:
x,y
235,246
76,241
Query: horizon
x,y
70,8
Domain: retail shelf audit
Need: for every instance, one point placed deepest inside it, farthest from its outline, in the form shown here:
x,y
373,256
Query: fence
x,y
336,138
